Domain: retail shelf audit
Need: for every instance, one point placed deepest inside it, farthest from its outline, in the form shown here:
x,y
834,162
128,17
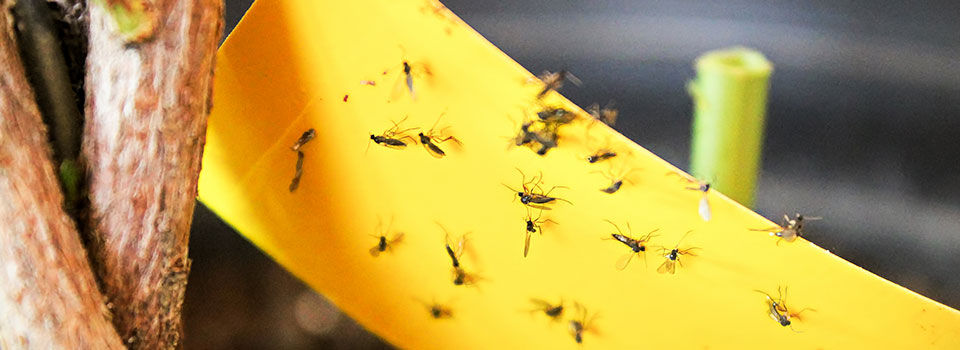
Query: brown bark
x,y
49,297
146,112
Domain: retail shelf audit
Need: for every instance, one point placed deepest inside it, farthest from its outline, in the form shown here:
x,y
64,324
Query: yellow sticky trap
x,y
298,64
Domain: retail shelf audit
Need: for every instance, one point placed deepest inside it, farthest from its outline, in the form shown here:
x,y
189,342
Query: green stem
x,y
730,103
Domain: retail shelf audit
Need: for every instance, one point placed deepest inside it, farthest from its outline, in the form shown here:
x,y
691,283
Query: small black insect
x,y
778,311
601,155
306,137
673,256
554,81
791,229
554,117
385,244
638,246
533,226
436,310
454,253
555,312
532,192
582,324
409,71
460,276
393,137
703,208
433,137
615,181
608,114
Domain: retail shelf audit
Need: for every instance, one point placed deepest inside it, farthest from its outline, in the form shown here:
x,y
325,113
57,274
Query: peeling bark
x,y
48,295
146,111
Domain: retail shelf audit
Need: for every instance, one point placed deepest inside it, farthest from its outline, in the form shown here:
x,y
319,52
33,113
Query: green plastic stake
x,y
730,104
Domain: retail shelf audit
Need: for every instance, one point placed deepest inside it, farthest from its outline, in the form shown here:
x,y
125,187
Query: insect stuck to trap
x,y
433,138
607,115
554,312
455,252
703,206
304,138
616,181
554,81
791,229
436,310
777,309
581,324
672,256
638,246
533,225
556,117
410,70
385,244
393,137
297,146
533,195
601,155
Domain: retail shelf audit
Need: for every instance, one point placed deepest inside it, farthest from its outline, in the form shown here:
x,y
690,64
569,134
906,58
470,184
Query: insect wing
x,y
399,87
433,149
375,251
704,208
409,81
393,143
526,244
396,240
624,261
668,266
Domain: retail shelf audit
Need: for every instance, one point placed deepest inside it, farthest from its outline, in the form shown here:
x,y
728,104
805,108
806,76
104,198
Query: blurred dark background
x,y
863,130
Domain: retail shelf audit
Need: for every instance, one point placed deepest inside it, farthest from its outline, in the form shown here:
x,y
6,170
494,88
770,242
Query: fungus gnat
x,y
410,70
637,246
453,253
304,138
437,310
554,117
385,244
673,256
607,114
554,81
393,137
460,276
530,197
554,312
432,138
777,308
601,155
615,181
791,229
703,207
533,225
582,324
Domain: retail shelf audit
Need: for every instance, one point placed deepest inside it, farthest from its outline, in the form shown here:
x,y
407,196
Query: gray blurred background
x,y
863,130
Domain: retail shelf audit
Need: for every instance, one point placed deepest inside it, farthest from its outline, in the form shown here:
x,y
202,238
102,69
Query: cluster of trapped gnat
x,y
540,133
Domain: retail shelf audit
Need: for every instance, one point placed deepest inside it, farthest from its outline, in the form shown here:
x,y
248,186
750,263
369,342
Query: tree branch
x,y
49,298
146,112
